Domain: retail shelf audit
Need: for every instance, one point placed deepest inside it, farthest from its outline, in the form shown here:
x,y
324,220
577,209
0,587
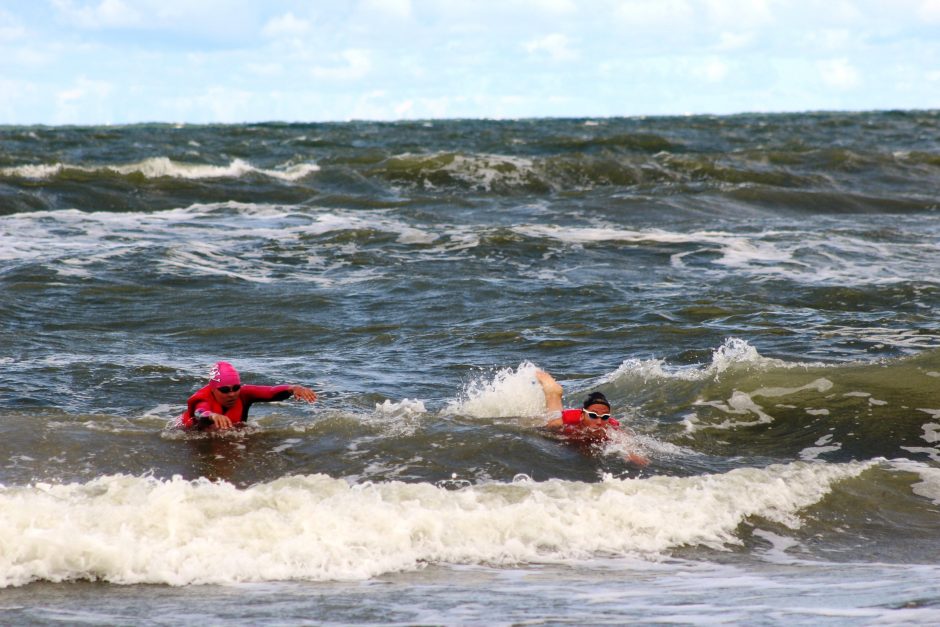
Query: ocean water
x,y
758,296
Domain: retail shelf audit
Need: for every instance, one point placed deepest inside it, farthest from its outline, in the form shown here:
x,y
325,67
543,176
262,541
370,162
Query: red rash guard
x,y
203,401
573,417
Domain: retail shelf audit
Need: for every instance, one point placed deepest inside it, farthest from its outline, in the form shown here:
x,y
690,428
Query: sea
x,y
756,294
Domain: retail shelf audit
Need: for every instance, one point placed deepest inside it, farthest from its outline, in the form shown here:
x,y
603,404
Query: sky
x,y
231,61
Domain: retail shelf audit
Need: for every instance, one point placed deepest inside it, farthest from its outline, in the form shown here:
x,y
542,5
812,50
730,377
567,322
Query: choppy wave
x,y
833,258
128,530
485,172
775,164
811,410
206,238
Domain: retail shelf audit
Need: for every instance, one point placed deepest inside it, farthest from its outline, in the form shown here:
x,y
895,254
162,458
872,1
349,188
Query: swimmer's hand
x,y
551,390
304,394
210,420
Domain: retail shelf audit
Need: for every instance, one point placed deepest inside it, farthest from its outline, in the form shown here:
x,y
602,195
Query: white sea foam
x,y
404,408
38,171
734,352
129,530
743,404
929,485
480,170
508,393
804,257
484,170
779,545
163,167
397,419
194,242
823,445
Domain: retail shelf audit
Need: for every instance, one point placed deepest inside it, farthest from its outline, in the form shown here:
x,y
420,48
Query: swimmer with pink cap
x,y
224,402
223,374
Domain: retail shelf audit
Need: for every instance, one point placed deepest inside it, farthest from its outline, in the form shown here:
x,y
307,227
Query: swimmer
x,y
224,402
592,421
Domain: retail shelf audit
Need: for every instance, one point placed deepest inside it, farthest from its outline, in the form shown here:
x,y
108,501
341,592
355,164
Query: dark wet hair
x,y
595,398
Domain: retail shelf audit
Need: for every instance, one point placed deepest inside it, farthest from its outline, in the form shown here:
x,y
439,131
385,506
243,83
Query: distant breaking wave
x,y
163,167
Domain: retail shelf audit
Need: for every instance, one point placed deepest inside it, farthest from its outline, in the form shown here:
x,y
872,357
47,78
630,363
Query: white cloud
x,y
355,64
265,69
106,14
838,73
558,7
201,20
653,13
83,88
393,8
440,107
10,28
929,10
738,13
828,40
286,25
13,92
841,12
226,104
556,46
84,101
734,41
713,70
215,103
30,57
402,109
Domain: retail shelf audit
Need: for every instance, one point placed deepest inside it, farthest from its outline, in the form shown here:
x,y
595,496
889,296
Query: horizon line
x,y
745,113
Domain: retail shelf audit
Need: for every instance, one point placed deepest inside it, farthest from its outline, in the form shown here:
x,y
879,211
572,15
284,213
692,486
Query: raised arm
x,y
551,389
553,393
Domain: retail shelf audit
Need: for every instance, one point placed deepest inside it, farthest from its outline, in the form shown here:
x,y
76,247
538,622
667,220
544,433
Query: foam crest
x,y
131,530
484,171
164,167
481,171
733,353
40,171
508,393
405,408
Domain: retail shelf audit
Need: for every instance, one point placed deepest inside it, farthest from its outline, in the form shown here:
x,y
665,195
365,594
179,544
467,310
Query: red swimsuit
x,y
204,402
573,417
574,431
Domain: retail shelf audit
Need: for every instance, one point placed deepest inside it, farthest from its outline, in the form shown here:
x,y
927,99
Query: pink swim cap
x,y
223,374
